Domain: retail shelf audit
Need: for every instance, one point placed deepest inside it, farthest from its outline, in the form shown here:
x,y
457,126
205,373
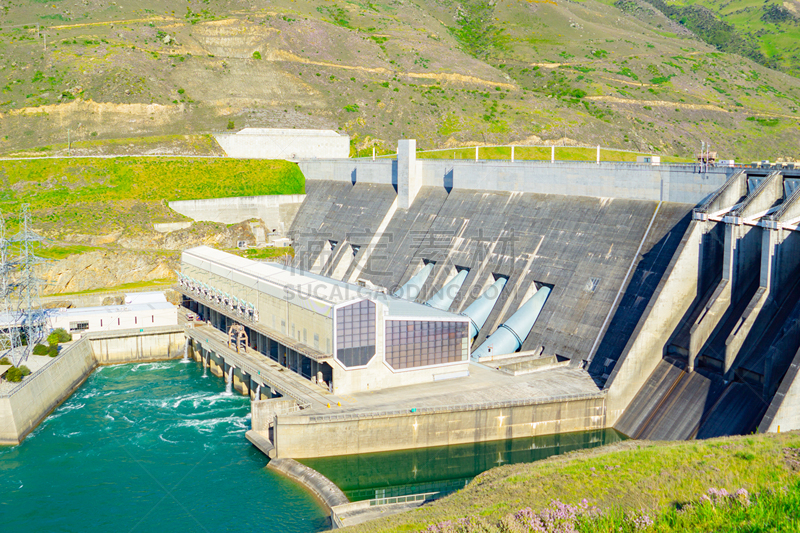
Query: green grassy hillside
x,y
767,32
620,74
99,196
669,483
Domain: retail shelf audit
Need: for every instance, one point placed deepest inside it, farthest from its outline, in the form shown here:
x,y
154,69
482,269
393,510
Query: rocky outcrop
x,y
101,269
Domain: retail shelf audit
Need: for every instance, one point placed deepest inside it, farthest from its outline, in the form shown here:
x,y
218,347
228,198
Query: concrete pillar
x,y
408,179
553,154
512,153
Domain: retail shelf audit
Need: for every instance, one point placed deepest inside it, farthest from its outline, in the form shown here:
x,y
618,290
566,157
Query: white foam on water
x,y
167,440
151,366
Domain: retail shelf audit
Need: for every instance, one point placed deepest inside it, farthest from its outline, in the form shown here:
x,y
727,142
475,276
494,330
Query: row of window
x,y
411,344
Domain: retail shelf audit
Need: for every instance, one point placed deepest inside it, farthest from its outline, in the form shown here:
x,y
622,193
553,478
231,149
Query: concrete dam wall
x,y
665,282
586,249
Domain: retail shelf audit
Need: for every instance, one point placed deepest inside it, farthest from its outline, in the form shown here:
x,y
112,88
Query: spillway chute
x,y
508,338
479,310
444,298
412,287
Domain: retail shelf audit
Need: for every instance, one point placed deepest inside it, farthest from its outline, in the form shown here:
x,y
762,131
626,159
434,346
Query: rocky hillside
x,y
107,221
618,73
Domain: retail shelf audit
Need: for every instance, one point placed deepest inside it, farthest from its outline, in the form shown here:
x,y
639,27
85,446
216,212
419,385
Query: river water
x,y
148,447
161,447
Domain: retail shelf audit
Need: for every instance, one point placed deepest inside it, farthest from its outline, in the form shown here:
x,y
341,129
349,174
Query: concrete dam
x,y
446,302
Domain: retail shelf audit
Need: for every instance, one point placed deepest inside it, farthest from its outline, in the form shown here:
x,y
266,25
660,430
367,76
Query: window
x,y
411,344
355,333
79,326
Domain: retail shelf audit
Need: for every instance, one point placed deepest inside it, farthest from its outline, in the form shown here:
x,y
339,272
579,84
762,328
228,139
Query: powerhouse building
x,y
342,336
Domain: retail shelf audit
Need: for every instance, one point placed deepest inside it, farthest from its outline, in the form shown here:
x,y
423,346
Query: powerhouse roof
x,y
287,282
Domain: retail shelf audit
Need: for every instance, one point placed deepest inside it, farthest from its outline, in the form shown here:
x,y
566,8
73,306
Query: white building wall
x,y
109,318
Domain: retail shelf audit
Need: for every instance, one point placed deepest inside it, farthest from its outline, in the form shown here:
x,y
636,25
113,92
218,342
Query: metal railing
x,y
284,388
339,511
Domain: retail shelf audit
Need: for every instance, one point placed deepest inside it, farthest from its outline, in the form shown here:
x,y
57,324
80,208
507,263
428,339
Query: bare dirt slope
x,y
622,75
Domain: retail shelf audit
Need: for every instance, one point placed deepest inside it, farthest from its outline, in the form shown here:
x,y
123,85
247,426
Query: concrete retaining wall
x,y
134,346
671,183
323,436
277,211
323,488
28,404
783,413
263,412
42,392
268,143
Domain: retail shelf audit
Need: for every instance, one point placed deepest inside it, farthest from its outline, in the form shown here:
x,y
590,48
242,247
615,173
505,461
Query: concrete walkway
x,y
483,386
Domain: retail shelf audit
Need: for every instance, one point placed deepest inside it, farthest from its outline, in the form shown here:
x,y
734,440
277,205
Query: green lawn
x,y
48,183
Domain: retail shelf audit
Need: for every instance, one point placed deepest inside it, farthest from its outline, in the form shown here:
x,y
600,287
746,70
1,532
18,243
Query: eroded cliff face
x,y
134,258
99,269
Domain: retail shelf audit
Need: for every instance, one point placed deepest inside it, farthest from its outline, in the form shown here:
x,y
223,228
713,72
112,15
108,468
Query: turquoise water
x,y
148,447
446,468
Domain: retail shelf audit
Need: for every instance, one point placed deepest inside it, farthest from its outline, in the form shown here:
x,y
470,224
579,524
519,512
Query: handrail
x,y
254,372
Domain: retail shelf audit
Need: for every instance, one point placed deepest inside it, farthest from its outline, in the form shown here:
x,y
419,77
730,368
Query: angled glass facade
x,y
355,333
411,344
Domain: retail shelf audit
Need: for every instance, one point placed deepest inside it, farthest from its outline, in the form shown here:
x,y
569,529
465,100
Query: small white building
x,y
273,143
649,159
81,320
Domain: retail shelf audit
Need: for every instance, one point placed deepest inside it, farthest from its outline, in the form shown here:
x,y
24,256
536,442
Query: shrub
x,y
52,351
15,374
52,339
230,124
256,55
40,349
5,361
63,335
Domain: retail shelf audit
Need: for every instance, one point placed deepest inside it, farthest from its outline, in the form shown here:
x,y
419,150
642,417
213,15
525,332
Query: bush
x,y
40,349
52,351
256,55
52,339
230,125
15,374
63,335
5,361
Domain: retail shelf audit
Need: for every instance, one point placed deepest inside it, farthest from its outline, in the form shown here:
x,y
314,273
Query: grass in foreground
x,y
629,486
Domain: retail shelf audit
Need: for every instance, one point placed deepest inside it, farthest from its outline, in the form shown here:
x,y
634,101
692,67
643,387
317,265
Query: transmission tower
x,y
9,333
29,313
